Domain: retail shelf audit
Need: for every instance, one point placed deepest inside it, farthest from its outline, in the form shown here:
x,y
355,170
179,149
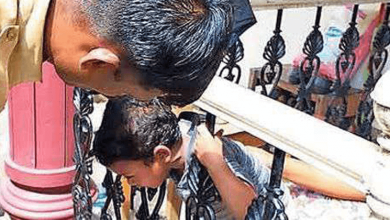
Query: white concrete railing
x,y
273,4
347,156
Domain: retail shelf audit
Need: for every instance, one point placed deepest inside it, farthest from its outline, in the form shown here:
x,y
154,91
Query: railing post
x,y
270,74
378,59
378,198
39,165
82,126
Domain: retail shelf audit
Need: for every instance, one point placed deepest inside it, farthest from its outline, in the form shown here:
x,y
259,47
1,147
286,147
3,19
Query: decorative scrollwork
x,y
378,59
82,200
234,55
345,63
270,74
364,118
310,66
268,205
335,114
380,55
274,208
274,50
275,204
346,60
203,193
82,126
114,191
148,195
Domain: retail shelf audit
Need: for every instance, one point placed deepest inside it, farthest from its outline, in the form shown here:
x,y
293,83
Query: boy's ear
x,y
162,152
98,58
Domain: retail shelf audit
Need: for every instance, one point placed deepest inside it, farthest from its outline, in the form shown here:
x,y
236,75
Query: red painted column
x,y
40,166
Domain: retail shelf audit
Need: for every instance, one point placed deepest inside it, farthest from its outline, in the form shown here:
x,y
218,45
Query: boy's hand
x,y
208,149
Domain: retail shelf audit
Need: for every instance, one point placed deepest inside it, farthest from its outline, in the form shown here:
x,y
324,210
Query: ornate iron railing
x,y
82,125
270,74
289,140
345,64
378,59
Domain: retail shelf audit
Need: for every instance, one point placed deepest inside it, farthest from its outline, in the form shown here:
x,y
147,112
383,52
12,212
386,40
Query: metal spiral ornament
x,y
346,60
378,59
234,55
82,126
345,64
203,193
146,196
273,52
310,66
114,191
270,74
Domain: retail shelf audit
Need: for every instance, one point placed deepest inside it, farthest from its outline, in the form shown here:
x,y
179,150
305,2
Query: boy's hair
x,y
177,45
131,130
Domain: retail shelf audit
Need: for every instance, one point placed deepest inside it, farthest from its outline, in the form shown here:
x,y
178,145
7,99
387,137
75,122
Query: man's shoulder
x,y
8,13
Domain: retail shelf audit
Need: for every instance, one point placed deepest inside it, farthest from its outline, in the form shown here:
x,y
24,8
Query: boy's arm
x,y
312,178
235,193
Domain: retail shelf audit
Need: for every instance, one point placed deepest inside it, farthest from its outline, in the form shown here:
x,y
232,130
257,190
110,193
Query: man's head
x,y
142,48
137,140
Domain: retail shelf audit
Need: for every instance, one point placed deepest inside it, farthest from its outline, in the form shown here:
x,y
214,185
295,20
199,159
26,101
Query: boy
x,y
146,143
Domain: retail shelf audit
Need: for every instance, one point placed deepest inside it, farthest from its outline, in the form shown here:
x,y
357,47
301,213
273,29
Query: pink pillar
x,y
40,166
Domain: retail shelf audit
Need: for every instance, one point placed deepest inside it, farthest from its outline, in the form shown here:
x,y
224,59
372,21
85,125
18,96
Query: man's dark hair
x,y
131,130
177,45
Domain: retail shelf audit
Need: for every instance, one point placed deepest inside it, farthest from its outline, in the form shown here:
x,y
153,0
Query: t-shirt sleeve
x,y
245,166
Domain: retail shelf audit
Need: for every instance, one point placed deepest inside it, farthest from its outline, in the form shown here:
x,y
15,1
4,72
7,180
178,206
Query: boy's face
x,y
140,174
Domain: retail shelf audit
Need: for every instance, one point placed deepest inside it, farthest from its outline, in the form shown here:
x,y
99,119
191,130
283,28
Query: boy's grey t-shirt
x,y
241,163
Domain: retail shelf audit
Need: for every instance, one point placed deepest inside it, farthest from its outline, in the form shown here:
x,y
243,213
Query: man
x,y
165,48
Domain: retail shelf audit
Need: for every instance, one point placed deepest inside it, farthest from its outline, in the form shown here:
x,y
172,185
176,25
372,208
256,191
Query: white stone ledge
x,y
338,152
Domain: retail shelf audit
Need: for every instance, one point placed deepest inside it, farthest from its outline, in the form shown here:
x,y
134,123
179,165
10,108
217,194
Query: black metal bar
x,y
107,182
210,122
160,201
118,198
82,126
346,60
310,66
278,21
354,13
147,195
378,59
345,64
273,51
318,18
274,208
270,74
386,21
278,163
144,205
114,194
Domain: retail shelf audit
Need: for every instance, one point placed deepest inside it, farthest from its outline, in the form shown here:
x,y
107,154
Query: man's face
x,y
139,174
108,80
84,60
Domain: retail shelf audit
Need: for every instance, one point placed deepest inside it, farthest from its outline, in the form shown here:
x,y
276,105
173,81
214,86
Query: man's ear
x,y
162,152
99,58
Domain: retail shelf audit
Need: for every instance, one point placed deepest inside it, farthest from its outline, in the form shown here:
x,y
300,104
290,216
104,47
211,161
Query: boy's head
x,y
165,48
137,140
